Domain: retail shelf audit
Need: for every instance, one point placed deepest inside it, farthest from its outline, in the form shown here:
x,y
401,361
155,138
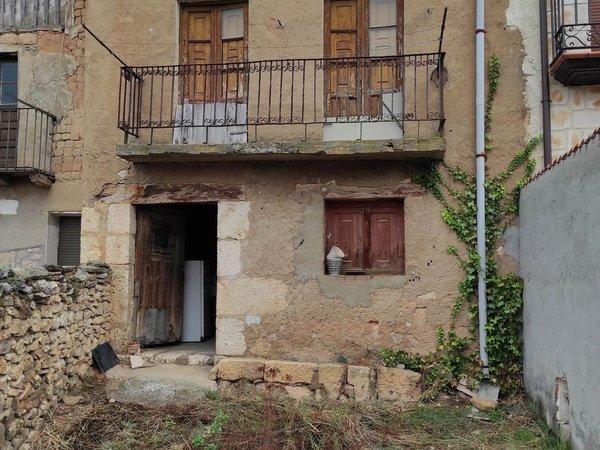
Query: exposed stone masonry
x,y
333,381
50,320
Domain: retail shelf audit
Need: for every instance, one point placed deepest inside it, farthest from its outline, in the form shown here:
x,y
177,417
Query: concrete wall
x,y
560,262
51,71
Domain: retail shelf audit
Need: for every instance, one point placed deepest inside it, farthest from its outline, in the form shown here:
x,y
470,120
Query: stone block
x,y
90,220
230,340
229,258
298,392
121,218
234,369
289,372
398,385
332,377
258,296
200,359
90,247
119,249
233,222
359,377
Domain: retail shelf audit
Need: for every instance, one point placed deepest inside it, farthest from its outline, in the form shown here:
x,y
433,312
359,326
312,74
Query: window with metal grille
x,y
370,233
69,241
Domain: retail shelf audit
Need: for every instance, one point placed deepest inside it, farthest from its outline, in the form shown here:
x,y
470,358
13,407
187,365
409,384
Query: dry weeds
x,y
254,421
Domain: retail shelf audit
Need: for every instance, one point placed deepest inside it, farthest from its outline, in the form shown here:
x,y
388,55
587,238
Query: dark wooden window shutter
x,y
594,12
370,233
69,241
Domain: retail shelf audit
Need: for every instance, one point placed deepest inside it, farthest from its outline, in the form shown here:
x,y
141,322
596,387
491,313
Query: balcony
x,y
577,54
388,107
26,143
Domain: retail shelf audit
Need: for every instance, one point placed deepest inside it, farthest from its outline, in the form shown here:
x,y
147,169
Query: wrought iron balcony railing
x,y
195,103
25,140
584,36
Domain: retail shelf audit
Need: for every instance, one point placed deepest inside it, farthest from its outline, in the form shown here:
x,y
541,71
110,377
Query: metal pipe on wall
x,y
480,177
546,127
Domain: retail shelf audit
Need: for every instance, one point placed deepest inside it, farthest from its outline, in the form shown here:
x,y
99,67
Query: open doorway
x,y
175,274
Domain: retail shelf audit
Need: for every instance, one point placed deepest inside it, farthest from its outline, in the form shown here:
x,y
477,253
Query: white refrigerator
x,y
193,302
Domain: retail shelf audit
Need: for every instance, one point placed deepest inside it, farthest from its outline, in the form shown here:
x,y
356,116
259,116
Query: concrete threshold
x,y
166,384
187,354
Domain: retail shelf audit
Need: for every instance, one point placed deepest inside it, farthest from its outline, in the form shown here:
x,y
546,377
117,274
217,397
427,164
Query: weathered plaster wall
x,y
274,300
51,71
559,257
25,223
273,297
523,16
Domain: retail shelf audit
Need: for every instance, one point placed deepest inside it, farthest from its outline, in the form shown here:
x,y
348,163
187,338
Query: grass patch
x,y
254,421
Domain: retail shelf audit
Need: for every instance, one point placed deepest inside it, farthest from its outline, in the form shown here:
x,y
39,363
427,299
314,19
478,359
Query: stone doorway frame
x,y
109,232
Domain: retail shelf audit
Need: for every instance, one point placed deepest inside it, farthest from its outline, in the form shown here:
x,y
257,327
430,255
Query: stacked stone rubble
x,y
50,320
317,380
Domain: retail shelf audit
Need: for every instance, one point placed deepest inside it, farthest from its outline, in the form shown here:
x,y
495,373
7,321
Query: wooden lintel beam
x,y
187,193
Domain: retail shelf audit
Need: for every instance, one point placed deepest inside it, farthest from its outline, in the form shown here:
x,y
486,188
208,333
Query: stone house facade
x,y
41,59
253,137
263,202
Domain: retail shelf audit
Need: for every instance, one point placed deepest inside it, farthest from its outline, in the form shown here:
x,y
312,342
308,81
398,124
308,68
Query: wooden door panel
x,y
343,76
344,15
345,230
233,79
159,276
198,43
9,132
383,241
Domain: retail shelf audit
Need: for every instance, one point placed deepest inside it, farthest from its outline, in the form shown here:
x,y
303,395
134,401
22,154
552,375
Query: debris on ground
x,y
136,361
262,421
72,400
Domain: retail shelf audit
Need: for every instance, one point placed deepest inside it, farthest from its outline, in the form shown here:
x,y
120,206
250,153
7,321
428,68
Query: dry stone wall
x,y
311,380
50,320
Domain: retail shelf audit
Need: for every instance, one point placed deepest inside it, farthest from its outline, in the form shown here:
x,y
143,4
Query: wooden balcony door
x,y
362,28
9,113
214,35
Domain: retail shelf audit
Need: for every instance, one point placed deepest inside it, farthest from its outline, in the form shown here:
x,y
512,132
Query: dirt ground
x,y
260,421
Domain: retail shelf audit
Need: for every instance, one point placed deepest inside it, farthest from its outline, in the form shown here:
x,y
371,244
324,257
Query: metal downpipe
x,y
480,178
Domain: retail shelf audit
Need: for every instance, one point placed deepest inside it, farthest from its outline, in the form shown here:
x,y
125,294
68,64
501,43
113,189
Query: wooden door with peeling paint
x,y
159,275
363,28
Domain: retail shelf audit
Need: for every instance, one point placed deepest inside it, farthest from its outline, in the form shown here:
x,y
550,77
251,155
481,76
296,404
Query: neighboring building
x,y
41,130
574,53
560,306
230,139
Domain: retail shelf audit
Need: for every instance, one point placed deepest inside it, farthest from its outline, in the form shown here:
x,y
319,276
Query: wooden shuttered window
x,y
69,241
594,13
370,233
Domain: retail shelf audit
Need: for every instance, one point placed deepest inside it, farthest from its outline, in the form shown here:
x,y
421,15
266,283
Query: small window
x,y
69,240
8,80
370,233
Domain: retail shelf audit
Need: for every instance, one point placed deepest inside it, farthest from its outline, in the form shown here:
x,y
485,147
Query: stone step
x,y
163,384
176,356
